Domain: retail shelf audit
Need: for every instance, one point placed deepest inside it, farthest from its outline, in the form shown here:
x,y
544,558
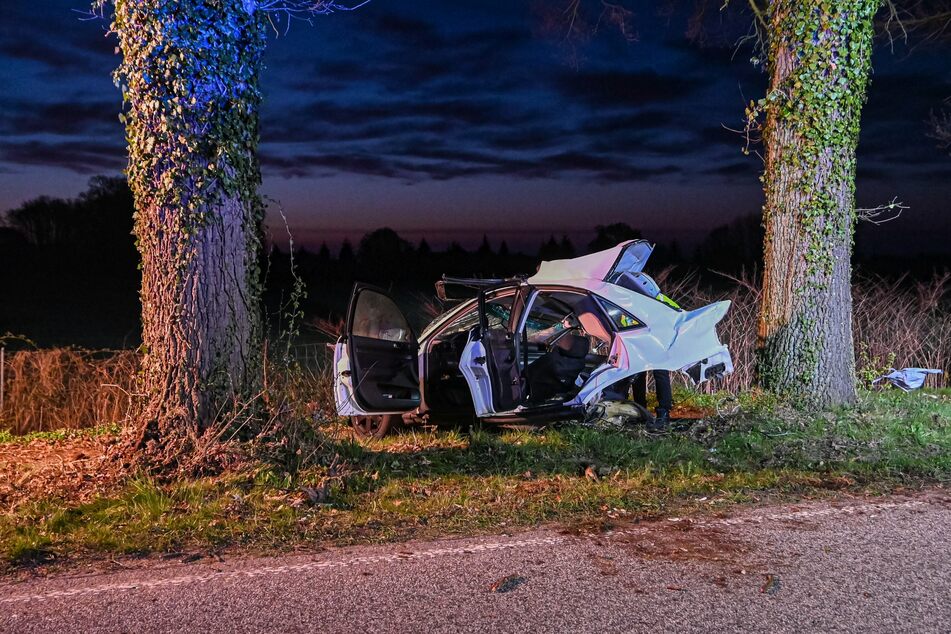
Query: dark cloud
x,y
737,170
74,117
637,120
419,95
415,162
82,157
323,165
43,52
620,89
406,30
525,138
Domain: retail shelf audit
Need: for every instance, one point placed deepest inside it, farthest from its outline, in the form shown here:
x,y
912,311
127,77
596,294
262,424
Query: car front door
x,y
489,360
375,362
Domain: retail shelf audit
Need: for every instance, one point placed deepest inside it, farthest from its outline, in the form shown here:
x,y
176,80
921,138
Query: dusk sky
x,y
454,119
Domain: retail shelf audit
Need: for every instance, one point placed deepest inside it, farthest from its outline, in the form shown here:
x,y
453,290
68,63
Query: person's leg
x,y
665,397
618,391
640,389
664,401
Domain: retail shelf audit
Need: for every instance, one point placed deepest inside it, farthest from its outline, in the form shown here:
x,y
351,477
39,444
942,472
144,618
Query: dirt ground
x,y
73,467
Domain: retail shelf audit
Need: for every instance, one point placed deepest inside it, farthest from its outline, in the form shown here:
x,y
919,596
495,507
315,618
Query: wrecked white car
x,y
544,347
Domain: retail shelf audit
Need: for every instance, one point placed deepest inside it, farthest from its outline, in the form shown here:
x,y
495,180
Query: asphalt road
x,y
853,565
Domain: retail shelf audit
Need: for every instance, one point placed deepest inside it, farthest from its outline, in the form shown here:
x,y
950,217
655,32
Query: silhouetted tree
x,y
566,248
423,250
485,249
549,250
734,246
347,258
611,235
383,256
45,222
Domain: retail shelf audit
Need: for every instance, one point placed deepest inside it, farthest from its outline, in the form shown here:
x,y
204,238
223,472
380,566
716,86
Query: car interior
x,y
564,337
446,389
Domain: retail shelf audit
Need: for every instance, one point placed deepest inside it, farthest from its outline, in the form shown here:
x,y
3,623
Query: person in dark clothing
x,y
645,285
622,389
664,396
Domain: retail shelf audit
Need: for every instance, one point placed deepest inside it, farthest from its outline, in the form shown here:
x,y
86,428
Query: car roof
x,y
593,267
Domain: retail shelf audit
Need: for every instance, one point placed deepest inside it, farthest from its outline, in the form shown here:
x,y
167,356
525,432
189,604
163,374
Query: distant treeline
x,y
69,268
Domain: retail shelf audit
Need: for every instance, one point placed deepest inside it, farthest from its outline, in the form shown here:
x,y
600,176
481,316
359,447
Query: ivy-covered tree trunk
x,y
189,76
819,59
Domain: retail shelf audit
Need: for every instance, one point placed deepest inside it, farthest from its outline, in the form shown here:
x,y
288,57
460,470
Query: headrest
x,y
573,346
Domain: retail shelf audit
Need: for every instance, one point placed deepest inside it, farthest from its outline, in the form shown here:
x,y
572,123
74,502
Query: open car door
x,y
489,361
375,362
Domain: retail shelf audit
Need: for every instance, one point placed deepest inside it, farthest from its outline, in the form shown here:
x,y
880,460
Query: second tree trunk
x,y
819,57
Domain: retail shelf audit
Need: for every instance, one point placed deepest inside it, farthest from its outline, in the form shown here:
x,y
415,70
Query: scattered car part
x,y
907,379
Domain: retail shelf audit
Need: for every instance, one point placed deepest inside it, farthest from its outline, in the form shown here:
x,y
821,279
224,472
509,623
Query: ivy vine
x,y
189,78
821,50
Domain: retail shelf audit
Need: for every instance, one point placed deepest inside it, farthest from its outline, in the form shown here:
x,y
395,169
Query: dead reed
x,y
66,388
896,324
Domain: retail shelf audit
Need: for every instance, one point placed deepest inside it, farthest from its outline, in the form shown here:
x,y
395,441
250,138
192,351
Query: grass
x,y
424,482
7,436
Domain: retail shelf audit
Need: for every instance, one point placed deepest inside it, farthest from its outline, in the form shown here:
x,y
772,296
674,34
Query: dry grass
x,y
897,323
64,388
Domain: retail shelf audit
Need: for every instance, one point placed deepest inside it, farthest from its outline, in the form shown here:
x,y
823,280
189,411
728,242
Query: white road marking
x,y
437,552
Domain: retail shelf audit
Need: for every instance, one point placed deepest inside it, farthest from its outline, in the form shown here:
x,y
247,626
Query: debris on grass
x,y
507,584
772,585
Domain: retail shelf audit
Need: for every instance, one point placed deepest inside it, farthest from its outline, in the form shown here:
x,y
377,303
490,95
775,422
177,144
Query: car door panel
x,y
474,367
376,362
490,362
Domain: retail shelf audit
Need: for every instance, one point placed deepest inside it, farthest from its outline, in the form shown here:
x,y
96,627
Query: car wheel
x,y
373,426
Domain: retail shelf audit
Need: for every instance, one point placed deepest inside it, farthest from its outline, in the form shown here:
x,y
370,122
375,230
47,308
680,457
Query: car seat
x,y
555,372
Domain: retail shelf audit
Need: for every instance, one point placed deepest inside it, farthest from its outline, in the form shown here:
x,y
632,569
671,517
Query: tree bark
x,y
819,57
190,80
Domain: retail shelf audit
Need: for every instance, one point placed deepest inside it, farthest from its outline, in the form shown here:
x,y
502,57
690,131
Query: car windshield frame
x,y
436,325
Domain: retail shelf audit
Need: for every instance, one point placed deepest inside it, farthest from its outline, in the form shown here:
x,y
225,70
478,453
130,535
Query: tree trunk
x,y
190,80
819,58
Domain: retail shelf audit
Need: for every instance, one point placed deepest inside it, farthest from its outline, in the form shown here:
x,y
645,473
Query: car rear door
x,y
489,361
376,360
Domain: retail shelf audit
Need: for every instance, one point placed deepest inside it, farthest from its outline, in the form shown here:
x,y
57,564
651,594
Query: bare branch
x,y
883,213
919,20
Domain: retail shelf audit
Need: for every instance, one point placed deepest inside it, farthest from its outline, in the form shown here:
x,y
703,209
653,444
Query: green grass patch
x,y
425,483
6,436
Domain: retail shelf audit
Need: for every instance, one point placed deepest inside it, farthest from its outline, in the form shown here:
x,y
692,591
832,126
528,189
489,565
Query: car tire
x,y
374,425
